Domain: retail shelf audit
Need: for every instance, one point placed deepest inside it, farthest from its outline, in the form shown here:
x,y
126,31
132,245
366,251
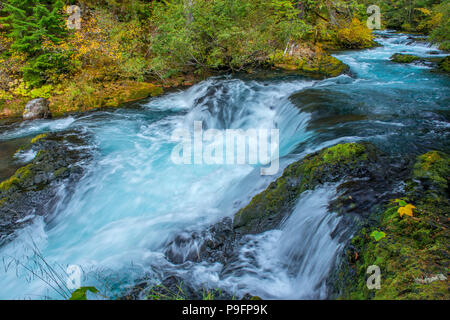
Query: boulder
x,y
404,58
37,109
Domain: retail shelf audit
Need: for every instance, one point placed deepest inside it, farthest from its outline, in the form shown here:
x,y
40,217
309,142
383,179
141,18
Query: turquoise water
x,y
133,199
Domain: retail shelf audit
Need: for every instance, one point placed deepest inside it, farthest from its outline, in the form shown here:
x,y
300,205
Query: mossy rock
x,y
404,58
414,248
444,65
433,167
38,137
33,187
332,164
21,177
321,66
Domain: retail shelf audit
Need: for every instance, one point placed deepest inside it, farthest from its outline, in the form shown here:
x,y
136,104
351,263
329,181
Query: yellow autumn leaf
x,y
408,210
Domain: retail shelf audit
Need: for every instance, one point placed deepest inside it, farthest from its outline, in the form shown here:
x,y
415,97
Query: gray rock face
x,y
37,109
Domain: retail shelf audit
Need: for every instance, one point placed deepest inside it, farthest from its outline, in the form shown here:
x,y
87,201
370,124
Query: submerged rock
x,y
37,109
404,58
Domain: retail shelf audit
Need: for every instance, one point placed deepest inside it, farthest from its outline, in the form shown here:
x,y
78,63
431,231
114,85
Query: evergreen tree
x,y
29,24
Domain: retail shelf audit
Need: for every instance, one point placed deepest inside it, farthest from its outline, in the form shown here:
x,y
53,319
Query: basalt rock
x,y
414,247
32,190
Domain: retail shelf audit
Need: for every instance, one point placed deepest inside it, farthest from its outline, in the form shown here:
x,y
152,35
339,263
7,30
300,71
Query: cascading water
x,y
133,199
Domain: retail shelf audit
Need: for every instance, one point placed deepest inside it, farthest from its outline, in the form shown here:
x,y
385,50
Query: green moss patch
x,y
15,180
414,247
444,65
321,65
38,137
404,58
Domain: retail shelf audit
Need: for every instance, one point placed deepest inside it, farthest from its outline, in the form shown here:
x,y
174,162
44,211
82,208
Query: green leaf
x,y
400,202
80,293
378,235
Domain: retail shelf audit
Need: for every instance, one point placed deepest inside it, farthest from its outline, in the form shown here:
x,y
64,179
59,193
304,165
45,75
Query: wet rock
x,y
37,109
269,208
414,250
404,58
33,188
366,178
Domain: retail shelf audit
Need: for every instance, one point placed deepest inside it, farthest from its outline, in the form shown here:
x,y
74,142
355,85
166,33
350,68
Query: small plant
x,y
80,293
378,235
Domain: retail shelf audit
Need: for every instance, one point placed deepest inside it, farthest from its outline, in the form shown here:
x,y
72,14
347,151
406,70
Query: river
x,y
132,199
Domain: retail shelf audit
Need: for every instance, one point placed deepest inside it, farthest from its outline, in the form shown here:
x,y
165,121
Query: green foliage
x,y
218,34
355,35
441,32
30,25
80,293
378,235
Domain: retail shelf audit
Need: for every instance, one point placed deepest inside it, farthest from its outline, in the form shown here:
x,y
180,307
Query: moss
x,y
327,66
320,65
414,247
83,95
434,167
445,64
2,201
15,180
61,172
328,165
404,58
38,137
132,91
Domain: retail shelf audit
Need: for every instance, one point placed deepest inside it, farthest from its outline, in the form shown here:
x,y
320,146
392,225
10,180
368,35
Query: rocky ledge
x,y
408,240
394,214
32,190
365,178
